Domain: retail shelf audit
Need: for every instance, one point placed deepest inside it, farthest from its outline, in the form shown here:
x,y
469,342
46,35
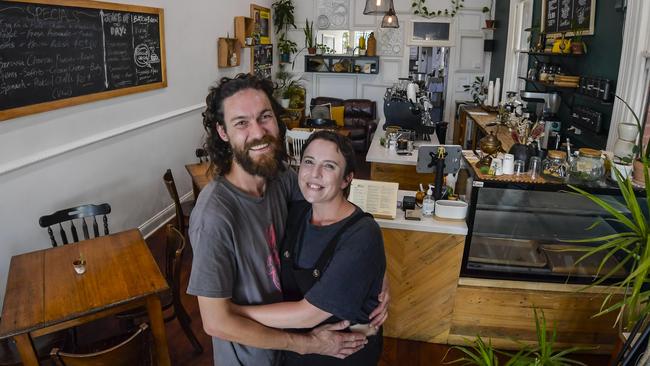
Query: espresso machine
x,y
408,106
546,107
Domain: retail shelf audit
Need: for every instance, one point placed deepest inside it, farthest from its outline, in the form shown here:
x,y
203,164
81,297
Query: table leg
x,y
26,349
158,330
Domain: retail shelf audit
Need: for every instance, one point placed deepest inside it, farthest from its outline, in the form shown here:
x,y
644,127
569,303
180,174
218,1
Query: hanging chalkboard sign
x,y
55,55
567,16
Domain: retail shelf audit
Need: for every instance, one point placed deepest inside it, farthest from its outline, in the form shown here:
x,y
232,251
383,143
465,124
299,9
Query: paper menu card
x,y
374,197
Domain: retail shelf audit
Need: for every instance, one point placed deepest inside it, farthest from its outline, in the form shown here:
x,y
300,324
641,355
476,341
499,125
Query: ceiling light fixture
x,y
390,19
376,7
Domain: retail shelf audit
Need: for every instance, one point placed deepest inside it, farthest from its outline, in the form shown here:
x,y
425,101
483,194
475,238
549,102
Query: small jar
x,y
588,166
555,165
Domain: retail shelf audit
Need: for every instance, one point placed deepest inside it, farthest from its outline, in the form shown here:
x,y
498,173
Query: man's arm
x,y
289,314
222,321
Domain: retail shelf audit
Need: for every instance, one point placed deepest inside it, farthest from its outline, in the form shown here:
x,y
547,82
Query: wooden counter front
x,y
423,270
502,311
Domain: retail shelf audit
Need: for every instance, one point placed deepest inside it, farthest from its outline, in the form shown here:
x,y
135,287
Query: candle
x,y
497,93
490,95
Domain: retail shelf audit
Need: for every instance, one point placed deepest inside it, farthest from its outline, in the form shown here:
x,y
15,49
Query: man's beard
x,y
266,165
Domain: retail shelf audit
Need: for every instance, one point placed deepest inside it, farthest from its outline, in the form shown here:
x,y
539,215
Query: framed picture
x,y
568,16
436,32
262,24
262,60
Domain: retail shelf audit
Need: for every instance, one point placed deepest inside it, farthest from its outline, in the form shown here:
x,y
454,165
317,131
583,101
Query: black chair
x,y
202,154
133,351
70,214
320,123
172,300
184,209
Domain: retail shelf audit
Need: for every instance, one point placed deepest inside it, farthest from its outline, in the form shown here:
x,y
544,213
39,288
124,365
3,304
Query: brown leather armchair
x,y
359,117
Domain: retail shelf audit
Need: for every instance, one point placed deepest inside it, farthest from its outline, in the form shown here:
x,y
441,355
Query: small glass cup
x,y
534,167
79,266
519,167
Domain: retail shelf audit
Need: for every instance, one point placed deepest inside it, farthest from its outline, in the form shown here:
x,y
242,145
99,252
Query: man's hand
x,y
327,340
380,314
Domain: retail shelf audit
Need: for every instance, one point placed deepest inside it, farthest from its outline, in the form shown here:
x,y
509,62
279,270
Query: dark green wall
x,y
602,60
502,11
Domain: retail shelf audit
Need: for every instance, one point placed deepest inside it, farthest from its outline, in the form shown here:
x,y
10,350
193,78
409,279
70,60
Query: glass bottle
x,y
532,72
543,73
428,203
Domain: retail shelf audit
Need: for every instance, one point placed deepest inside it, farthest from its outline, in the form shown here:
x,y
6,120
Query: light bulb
x,y
378,3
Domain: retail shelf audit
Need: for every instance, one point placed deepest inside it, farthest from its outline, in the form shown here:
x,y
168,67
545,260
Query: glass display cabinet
x,y
527,231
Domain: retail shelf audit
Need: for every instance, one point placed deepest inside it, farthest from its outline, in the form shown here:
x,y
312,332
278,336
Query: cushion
x,y
321,111
337,115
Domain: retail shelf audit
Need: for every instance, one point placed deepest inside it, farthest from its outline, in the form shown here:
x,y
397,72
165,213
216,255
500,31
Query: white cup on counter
x,y
508,164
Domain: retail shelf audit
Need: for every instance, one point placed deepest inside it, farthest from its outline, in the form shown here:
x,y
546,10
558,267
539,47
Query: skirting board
x,y
161,218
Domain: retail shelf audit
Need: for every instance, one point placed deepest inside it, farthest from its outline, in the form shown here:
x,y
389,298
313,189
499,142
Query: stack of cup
x,y
508,164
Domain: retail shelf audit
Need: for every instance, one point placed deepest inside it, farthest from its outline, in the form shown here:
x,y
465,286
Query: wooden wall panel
x,y
505,315
405,175
423,270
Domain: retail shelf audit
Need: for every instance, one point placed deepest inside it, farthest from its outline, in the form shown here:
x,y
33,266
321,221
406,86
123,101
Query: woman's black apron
x,y
297,281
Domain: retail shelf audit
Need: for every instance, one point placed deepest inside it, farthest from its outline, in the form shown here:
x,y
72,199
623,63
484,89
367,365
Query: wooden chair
x,y
182,210
172,270
133,351
295,139
70,214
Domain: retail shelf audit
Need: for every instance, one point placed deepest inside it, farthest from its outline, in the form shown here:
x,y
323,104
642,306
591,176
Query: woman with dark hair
x,y
332,255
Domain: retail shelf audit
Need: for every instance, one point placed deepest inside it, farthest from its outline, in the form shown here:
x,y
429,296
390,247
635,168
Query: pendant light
x,y
390,19
376,7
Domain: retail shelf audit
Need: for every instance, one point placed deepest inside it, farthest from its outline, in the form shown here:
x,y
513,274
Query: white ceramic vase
x,y
623,148
627,131
625,170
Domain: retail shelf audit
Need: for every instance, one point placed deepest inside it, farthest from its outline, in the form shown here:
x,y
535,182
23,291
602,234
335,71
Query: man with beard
x,y
236,226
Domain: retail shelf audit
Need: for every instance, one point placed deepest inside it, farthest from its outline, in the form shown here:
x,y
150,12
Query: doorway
x,y
430,67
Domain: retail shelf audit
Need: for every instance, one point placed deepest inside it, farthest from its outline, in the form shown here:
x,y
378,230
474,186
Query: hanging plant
x,y
419,8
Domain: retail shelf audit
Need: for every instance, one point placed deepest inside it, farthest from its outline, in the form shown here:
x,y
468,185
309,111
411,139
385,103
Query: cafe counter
x,y
423,264
386,165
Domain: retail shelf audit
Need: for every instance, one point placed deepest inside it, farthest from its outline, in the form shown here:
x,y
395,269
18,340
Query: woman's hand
x,y
380,314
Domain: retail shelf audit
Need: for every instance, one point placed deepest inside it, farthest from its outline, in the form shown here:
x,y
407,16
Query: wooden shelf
x,y
227,47
552,54
244,27
341,64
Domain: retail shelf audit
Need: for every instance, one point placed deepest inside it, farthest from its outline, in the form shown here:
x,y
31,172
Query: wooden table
x,y
44,294
201,176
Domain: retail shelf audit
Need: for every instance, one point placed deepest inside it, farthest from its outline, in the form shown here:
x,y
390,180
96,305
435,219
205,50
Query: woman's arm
x,y
290,314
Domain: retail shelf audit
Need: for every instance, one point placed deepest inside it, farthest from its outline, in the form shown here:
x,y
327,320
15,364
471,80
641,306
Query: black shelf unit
x,y
571,97
328,64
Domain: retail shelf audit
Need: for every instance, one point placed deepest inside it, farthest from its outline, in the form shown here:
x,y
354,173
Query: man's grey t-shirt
x,y
235,240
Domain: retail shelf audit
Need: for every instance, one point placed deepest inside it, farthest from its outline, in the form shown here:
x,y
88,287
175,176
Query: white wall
x,y
99,152
467,24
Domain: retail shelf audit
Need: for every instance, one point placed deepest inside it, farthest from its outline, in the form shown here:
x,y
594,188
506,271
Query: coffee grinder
x,y
546,107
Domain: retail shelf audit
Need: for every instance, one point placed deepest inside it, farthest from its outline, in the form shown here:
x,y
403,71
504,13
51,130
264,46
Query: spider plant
x,y
632,242
481,354
544,354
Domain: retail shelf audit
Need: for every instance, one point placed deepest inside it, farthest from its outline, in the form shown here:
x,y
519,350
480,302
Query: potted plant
x,y
489,22
632,242
283,15
310,38
578,47
322,49
481,354
286,47
476,89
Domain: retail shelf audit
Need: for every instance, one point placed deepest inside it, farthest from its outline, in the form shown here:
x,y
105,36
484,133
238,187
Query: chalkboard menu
x,y
559,16
53,55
